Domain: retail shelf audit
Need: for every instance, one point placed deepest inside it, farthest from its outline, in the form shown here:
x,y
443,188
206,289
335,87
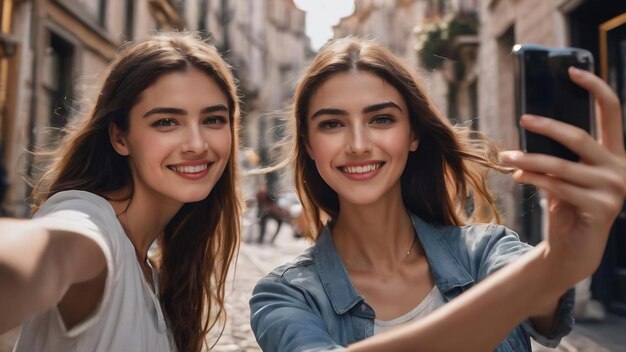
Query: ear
x,y
414,142
118,139
309,150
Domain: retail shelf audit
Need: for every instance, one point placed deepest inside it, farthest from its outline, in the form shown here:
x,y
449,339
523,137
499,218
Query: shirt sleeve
x,y
500,247
77,213
282,320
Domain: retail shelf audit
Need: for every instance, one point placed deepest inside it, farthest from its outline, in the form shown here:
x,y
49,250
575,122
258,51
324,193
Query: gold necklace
x,y
411,247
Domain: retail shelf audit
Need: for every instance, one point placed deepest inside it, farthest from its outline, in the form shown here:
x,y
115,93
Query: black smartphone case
x,y
543,88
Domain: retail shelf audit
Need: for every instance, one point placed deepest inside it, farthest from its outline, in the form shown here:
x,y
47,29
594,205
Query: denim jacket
x,y
311,305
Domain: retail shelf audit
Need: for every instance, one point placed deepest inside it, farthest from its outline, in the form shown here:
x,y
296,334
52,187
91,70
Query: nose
x,y
194,141
359,141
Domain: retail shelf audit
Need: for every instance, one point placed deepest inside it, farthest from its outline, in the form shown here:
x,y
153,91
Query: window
x,y
203,14
129,29
58,79
102,11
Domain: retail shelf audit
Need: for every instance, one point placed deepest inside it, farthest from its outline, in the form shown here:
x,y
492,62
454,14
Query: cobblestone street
x,y
237,335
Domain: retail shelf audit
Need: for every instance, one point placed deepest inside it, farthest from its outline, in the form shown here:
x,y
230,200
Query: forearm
x,y
481,318
31,273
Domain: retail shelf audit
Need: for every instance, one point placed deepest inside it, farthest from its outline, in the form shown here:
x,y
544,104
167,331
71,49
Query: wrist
x,y
550,280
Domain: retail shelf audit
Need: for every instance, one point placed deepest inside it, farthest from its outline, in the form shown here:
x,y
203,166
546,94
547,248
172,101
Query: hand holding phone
x,y
583,198
543,87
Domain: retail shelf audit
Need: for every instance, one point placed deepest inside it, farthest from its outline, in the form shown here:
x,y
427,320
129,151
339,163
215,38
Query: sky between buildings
x,y
321,15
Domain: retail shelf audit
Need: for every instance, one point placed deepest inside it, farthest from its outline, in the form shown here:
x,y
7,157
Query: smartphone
x,y
543,87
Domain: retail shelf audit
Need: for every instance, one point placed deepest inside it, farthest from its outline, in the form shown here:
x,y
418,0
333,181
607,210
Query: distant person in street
x,y
267,208
154,160
401,264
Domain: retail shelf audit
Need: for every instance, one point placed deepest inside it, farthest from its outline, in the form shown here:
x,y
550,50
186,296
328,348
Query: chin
x,y
193,197
360,199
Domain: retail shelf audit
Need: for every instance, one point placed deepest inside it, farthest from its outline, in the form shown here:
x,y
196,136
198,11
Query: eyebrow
x,y
177,111
366,110
376,107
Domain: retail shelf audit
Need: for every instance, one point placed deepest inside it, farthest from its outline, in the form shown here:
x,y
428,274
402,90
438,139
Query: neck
x,y
375,236
143,224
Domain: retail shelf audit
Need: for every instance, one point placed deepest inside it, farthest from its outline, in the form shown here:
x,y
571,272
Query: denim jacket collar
x,y
333,275
448,274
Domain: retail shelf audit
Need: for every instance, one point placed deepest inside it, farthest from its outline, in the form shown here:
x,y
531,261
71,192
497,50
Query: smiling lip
x,y
361,171
191,170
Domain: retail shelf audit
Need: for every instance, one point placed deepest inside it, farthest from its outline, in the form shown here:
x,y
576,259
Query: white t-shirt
x,y
432,301
129,316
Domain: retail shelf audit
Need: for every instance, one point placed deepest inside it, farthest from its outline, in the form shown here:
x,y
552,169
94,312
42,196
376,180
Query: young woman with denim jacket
x,y
372,153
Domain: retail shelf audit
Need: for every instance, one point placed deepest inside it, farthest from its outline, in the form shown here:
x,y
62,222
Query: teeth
x,y
361,169
190,169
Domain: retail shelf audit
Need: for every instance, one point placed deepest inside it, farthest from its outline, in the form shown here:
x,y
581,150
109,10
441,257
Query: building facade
x,y
266,44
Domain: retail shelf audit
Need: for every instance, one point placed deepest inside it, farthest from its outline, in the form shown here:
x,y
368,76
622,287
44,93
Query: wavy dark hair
x,y
440,178
200,242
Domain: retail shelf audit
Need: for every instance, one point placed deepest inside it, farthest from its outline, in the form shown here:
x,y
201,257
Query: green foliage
x,y
434,49
438,38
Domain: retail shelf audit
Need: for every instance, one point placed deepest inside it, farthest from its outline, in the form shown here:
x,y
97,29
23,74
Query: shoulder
x,y
79,207
461,238
75,200
302,265
300,274
83,213
486,248
483,243
478,235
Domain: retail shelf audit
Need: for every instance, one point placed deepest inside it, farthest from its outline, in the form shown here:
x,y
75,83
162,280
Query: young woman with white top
x,y
154,160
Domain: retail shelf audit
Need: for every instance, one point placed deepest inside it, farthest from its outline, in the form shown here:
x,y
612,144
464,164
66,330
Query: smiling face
x,y
359,136
179,137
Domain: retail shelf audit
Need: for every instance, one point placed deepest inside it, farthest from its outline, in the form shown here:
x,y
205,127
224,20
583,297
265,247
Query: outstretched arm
x,y
583,201
38,265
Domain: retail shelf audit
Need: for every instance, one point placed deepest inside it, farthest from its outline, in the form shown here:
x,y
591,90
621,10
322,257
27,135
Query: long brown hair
x,y
446,172
199,243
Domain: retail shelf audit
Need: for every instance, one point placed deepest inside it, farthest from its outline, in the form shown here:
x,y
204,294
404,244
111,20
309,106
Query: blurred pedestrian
x,y
267,208
154,160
